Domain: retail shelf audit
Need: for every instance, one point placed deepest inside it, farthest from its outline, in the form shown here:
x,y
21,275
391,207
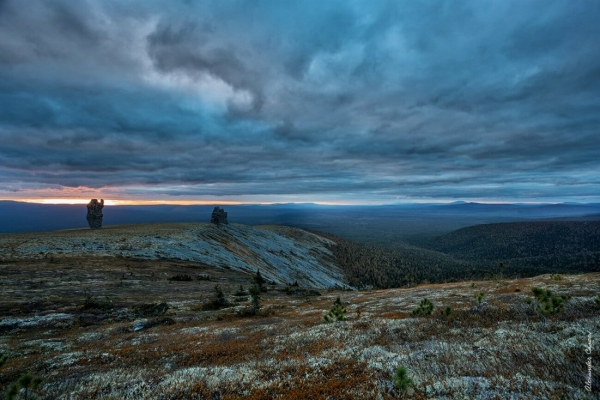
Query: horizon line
x,y
118,202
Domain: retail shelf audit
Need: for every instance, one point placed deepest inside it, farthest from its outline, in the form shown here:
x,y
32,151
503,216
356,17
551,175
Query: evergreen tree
x,y
3,359
479,296
401,379
447,312
545,303
218,301
425,308
27,382
255,298
337,312
259,281
240,292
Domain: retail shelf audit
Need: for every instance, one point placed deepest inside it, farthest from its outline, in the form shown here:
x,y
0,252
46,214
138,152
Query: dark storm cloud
x,y
423,100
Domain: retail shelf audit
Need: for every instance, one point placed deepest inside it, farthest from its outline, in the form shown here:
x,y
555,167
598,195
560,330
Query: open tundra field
x,y
98,323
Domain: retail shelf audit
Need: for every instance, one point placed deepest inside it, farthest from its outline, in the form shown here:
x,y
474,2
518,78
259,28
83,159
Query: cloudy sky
x,y
309,101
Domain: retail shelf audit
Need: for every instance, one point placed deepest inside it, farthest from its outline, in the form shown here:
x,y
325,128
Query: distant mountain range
x,y
383,224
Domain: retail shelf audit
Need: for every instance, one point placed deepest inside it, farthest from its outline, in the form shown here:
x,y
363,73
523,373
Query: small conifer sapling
x,y
544,303
27,382
425,308
255,298
337,312
401,379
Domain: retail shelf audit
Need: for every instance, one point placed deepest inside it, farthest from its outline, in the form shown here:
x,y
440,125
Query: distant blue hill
x,y
378,223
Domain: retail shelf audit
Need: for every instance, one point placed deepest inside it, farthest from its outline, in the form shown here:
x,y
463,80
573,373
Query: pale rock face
x,y
282,254
94,213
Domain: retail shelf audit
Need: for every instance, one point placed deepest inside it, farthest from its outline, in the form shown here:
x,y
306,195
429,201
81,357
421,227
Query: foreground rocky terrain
x,y
92,324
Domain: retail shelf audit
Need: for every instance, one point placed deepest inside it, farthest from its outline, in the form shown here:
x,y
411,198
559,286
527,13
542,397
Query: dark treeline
x,y
384,266
480,252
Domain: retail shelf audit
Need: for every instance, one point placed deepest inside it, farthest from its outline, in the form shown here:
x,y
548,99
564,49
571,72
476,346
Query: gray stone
x,y
94,213
219,216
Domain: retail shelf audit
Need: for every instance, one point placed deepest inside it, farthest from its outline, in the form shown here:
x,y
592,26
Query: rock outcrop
x,y
219,216
94,213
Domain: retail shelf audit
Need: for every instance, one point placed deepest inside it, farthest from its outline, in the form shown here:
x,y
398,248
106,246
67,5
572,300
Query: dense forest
x,y
386,266
478,252
527,247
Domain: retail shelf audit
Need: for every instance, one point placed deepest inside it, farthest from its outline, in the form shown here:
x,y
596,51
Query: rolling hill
x,y
282,254
527,247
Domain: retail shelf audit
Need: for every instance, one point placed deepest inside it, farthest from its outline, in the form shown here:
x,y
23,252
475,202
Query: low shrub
x,y
337,312
240,292
150,309
447,312
181,278
218,301
92,303
544,303
28,382
401,380
425,308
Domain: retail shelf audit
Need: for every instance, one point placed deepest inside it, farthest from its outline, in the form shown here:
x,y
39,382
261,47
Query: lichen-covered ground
x,y
123,345
283,254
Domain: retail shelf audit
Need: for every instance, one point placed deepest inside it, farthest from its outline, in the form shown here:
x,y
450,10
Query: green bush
x,y
401,379
425,308
240,292
479,296
3,359
337,312
27,382
255,306
92,303
544,303
260,281
255,298
218,301
181,278
447,312
547,303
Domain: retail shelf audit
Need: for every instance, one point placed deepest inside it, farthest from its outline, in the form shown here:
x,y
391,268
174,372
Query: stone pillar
x,y
219,216
94,213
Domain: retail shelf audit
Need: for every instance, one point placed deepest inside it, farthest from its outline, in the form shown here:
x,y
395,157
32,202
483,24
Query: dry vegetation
x,y
93,328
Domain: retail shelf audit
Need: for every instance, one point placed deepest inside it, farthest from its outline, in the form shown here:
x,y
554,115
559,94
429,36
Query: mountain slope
x,y
552,245
282,254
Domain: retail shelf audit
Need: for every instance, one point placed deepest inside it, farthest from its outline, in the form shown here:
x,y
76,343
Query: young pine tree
x,y
447,312
401,379
218,301
26,381
259,281
255,299
337,312
425,308
545,303
479,297
240,292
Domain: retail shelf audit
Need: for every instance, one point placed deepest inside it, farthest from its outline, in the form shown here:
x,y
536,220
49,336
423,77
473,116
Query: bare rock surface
x,y
282,254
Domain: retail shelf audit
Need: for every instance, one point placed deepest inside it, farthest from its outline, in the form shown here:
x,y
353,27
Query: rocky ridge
x,y
282,254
